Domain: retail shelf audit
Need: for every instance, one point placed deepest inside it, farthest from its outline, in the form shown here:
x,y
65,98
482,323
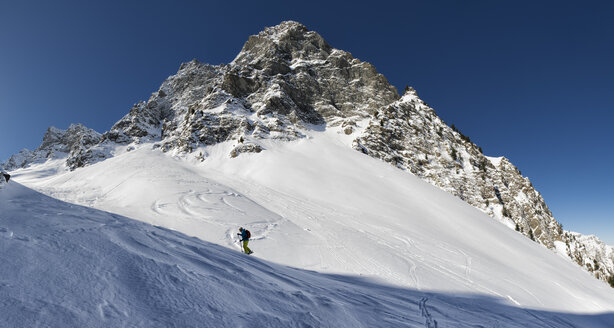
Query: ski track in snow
x,y
214,206
404,239
412,264
468,260
333,244
188,262
429,321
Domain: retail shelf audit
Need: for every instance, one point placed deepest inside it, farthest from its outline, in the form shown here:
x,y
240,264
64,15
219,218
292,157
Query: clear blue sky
x,y
529,80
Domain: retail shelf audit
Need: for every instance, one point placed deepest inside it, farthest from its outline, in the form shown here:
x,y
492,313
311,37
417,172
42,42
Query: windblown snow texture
x,y
72,266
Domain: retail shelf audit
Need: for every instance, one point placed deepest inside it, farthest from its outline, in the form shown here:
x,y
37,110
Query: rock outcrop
x,y
4,177
410,135
57,144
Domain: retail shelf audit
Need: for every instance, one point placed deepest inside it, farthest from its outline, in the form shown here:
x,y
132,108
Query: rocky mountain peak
x,y
293,71
282,44
284,29
287,79
57,143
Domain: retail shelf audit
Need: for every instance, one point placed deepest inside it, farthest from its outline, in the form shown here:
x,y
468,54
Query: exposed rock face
x,y
284,78
591,253
314,80
245,148
4,177
21,159
288,79
409,135
57,143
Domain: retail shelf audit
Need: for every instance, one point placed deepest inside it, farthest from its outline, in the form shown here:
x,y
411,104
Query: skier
x,y
245,235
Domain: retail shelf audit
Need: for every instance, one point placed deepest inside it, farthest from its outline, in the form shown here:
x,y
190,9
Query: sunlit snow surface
x,y
401,251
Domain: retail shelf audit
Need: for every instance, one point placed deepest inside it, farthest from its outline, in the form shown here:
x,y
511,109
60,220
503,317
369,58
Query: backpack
x,y
248,234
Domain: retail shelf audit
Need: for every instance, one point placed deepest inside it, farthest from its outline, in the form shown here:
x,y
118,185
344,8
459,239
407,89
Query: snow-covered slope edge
x,y
73,266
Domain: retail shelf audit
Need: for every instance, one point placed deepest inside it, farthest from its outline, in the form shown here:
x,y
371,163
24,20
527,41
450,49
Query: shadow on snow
x,y
69,265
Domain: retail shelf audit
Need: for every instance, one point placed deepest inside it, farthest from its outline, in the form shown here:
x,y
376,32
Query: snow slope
x,y
65,265
316,204
71,266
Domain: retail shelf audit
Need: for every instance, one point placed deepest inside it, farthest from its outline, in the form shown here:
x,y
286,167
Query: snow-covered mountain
x,y
286,80
56,144
269,141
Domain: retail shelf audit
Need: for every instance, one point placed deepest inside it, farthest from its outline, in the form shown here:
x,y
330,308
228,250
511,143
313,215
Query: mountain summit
x,y
286,81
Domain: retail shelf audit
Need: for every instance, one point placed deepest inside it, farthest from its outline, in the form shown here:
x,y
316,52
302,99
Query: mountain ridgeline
x,y
286,80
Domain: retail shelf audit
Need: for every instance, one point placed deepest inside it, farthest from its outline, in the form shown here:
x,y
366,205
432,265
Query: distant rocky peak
x,y
57,143
63,140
